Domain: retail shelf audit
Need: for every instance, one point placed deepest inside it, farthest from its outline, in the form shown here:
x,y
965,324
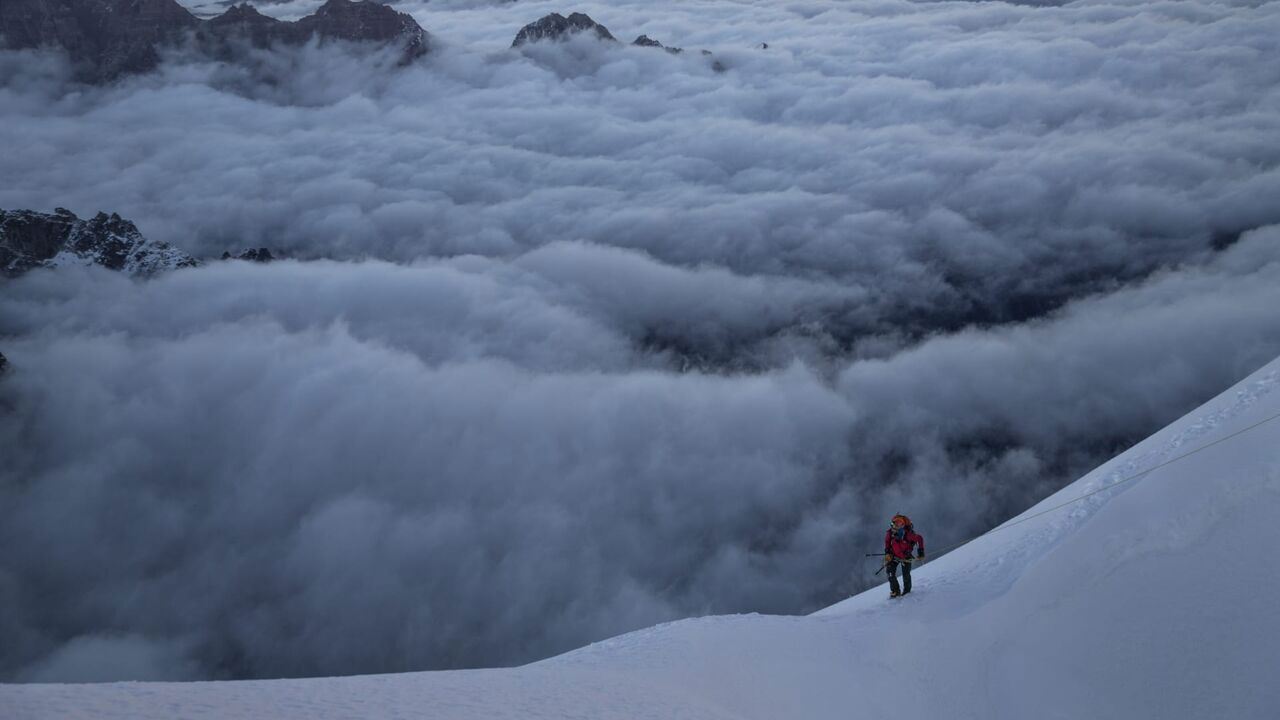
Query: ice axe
x,y
884,565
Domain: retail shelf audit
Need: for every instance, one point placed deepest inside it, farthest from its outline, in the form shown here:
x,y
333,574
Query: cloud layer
x,y
577,342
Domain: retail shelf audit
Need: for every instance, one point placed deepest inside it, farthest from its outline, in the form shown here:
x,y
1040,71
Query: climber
x,y
899,540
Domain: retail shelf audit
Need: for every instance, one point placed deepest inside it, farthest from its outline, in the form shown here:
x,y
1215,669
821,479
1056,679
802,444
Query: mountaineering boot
x,y
894,594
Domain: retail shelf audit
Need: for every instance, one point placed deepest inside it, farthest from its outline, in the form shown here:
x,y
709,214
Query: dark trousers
x,y
892,569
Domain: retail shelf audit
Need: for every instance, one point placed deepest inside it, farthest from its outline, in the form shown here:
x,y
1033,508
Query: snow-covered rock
x,y
30,240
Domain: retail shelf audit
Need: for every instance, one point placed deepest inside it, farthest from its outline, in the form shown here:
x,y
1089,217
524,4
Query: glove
x,y
920,557
888,558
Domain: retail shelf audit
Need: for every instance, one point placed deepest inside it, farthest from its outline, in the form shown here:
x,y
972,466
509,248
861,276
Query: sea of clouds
x,y
584,338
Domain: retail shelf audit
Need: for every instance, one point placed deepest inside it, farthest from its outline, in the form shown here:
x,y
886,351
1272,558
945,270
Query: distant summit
x,y
103,38
258,255
30,240
558,27
364,21
106,39
646,41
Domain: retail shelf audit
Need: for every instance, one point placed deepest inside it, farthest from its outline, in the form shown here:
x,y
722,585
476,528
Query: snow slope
x,y
1155,599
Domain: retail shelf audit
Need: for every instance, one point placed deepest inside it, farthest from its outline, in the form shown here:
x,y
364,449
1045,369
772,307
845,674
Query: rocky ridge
x,y
30,240
335,20
646,41
107,39
258,255
558,27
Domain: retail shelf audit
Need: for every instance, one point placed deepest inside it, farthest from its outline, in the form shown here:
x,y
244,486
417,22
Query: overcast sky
x,y
584,338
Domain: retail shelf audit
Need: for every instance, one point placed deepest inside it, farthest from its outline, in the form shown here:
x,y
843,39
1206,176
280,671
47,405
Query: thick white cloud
x,y
322,468
587,338
925,142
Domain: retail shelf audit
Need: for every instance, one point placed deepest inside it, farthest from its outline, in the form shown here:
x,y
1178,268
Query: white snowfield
x,y
1157,599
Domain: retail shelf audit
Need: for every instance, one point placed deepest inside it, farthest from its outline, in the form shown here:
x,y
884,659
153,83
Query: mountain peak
x,y
107,39
30,240
558,27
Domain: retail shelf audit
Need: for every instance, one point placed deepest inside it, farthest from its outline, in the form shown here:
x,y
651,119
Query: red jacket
x,y
901,547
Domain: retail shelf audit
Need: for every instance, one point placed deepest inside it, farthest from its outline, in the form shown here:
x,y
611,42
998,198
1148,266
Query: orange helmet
x,y
901,520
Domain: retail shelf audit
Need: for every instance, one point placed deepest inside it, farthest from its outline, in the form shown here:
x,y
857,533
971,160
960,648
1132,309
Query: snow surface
x,y
1155,599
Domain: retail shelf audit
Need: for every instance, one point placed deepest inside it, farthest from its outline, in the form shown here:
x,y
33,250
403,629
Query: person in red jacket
x,y
899,541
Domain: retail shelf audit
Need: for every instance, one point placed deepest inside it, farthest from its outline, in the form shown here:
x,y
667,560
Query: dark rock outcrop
x,y
363,22
4,364
715,64
241,22
106,39
558,27
646,41
30,240
335,20
103,38
261,255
